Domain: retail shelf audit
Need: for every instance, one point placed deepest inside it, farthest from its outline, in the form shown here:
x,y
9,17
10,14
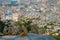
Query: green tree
x,y
26,22
2,25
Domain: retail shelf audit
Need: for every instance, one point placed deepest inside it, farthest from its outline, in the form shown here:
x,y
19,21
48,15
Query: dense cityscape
x,y
24,17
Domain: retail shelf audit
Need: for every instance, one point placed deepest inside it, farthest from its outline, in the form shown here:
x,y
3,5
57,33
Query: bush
x,y
57,37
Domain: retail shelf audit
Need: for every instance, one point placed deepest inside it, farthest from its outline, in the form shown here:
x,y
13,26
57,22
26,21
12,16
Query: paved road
x,y
30,36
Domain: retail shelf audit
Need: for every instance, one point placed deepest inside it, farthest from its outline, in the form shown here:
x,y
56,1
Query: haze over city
x,y
30,19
